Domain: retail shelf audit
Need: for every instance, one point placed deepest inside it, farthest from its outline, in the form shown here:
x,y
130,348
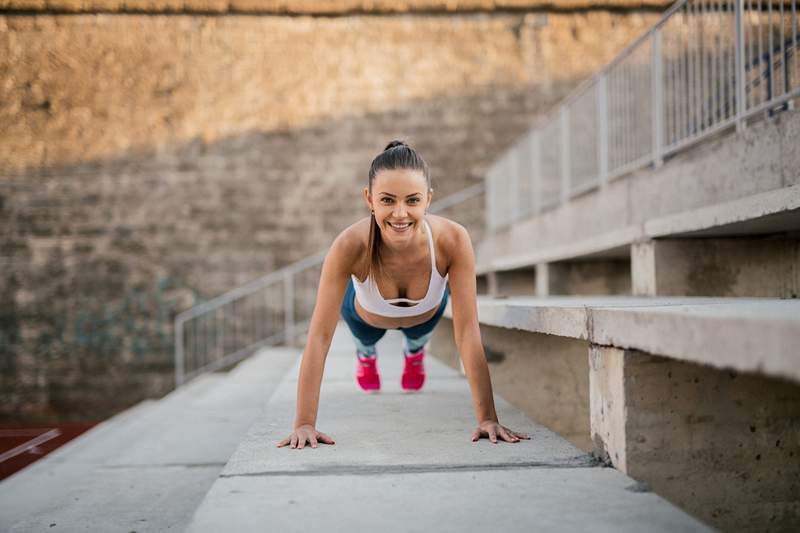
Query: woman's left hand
x,y
491,429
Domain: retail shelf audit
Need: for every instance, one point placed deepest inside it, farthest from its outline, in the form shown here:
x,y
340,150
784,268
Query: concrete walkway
x,y
147,468
405,462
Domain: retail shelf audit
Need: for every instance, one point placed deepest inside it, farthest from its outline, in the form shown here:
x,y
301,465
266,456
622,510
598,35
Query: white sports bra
x,y
370,298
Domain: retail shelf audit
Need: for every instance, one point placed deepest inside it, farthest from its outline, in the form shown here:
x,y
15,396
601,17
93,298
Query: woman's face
x,y
399,198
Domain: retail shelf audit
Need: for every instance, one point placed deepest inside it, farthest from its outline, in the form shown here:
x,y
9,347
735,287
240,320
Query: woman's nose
x,y
400,210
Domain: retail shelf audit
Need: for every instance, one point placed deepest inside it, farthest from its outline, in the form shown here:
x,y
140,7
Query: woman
x,y
398,252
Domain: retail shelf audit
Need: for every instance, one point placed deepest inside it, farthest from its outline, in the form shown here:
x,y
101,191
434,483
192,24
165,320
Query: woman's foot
x,y
367,373
414,371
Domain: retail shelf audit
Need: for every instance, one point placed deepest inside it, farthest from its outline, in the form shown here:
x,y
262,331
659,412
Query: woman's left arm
x,y
464,305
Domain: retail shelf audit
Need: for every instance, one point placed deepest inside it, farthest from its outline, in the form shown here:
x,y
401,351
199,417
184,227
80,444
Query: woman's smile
x,y
400,227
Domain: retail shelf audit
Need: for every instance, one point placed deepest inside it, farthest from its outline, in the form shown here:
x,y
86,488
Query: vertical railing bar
x,y
731,66
491,196
687,73
488,199
566,186
634,96
536,172
251,321
179,353
702,34
513,176
724,77
621,120
622,98
629,95
698,72
691,69
610,131
784,70
202,322
667,65
677,89
668,86
217,334
715,56
739,65
771,44
602,123
795,44
644,94
288,308
760,61
751,34
658,100
619,117
711,62
193,352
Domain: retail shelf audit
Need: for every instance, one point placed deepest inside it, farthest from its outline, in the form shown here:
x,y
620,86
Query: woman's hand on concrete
x,y
491,430
304,433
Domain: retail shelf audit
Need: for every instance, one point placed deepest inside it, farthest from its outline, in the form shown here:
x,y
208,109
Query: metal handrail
x,y
271,305
704,67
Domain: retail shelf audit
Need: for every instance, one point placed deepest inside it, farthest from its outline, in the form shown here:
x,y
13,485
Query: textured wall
x,y
317,7
150,161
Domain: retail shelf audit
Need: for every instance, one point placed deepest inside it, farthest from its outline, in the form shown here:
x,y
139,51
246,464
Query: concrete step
x,y
161,455
746,334
405,462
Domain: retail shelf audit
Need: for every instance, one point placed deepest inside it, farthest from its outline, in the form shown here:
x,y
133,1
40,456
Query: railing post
x,y
740,79
536,172
179,355
288,308
512,164
658,99
489,200
602,124
565,154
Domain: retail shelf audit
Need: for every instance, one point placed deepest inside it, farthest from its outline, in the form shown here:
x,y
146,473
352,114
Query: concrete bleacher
x,y
401,461
654,321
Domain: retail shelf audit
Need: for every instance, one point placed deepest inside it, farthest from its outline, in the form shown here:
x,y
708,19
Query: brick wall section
x,y
319,7
150,162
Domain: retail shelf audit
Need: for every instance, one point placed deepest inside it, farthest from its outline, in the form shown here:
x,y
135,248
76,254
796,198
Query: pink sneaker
x,y
414,371
367,374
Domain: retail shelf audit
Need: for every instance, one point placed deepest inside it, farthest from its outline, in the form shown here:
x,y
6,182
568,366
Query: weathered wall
x,y
148,162
316,7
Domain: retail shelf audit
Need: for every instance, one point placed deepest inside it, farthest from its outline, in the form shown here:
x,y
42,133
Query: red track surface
x,y
21,445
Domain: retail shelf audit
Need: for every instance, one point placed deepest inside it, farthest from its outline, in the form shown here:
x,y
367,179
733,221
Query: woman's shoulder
x,y
351,243
447,235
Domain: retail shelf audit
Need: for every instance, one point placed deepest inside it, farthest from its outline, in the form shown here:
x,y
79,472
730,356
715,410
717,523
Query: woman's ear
x,y
368,198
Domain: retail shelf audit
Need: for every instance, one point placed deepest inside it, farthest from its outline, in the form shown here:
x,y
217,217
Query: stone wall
x,y
149,162
318,7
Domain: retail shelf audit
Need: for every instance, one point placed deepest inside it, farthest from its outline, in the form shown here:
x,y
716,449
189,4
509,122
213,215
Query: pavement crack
x,y
582,461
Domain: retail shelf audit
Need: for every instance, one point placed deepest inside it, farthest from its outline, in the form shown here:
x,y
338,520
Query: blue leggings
x,y
366,336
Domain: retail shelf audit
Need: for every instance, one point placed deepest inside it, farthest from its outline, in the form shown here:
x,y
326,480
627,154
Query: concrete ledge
x,y
761,213
744,334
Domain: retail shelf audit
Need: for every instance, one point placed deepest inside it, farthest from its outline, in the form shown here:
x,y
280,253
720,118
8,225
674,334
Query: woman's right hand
x,y
304,433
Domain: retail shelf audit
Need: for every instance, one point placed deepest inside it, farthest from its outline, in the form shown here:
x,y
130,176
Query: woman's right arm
x,y
335,274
